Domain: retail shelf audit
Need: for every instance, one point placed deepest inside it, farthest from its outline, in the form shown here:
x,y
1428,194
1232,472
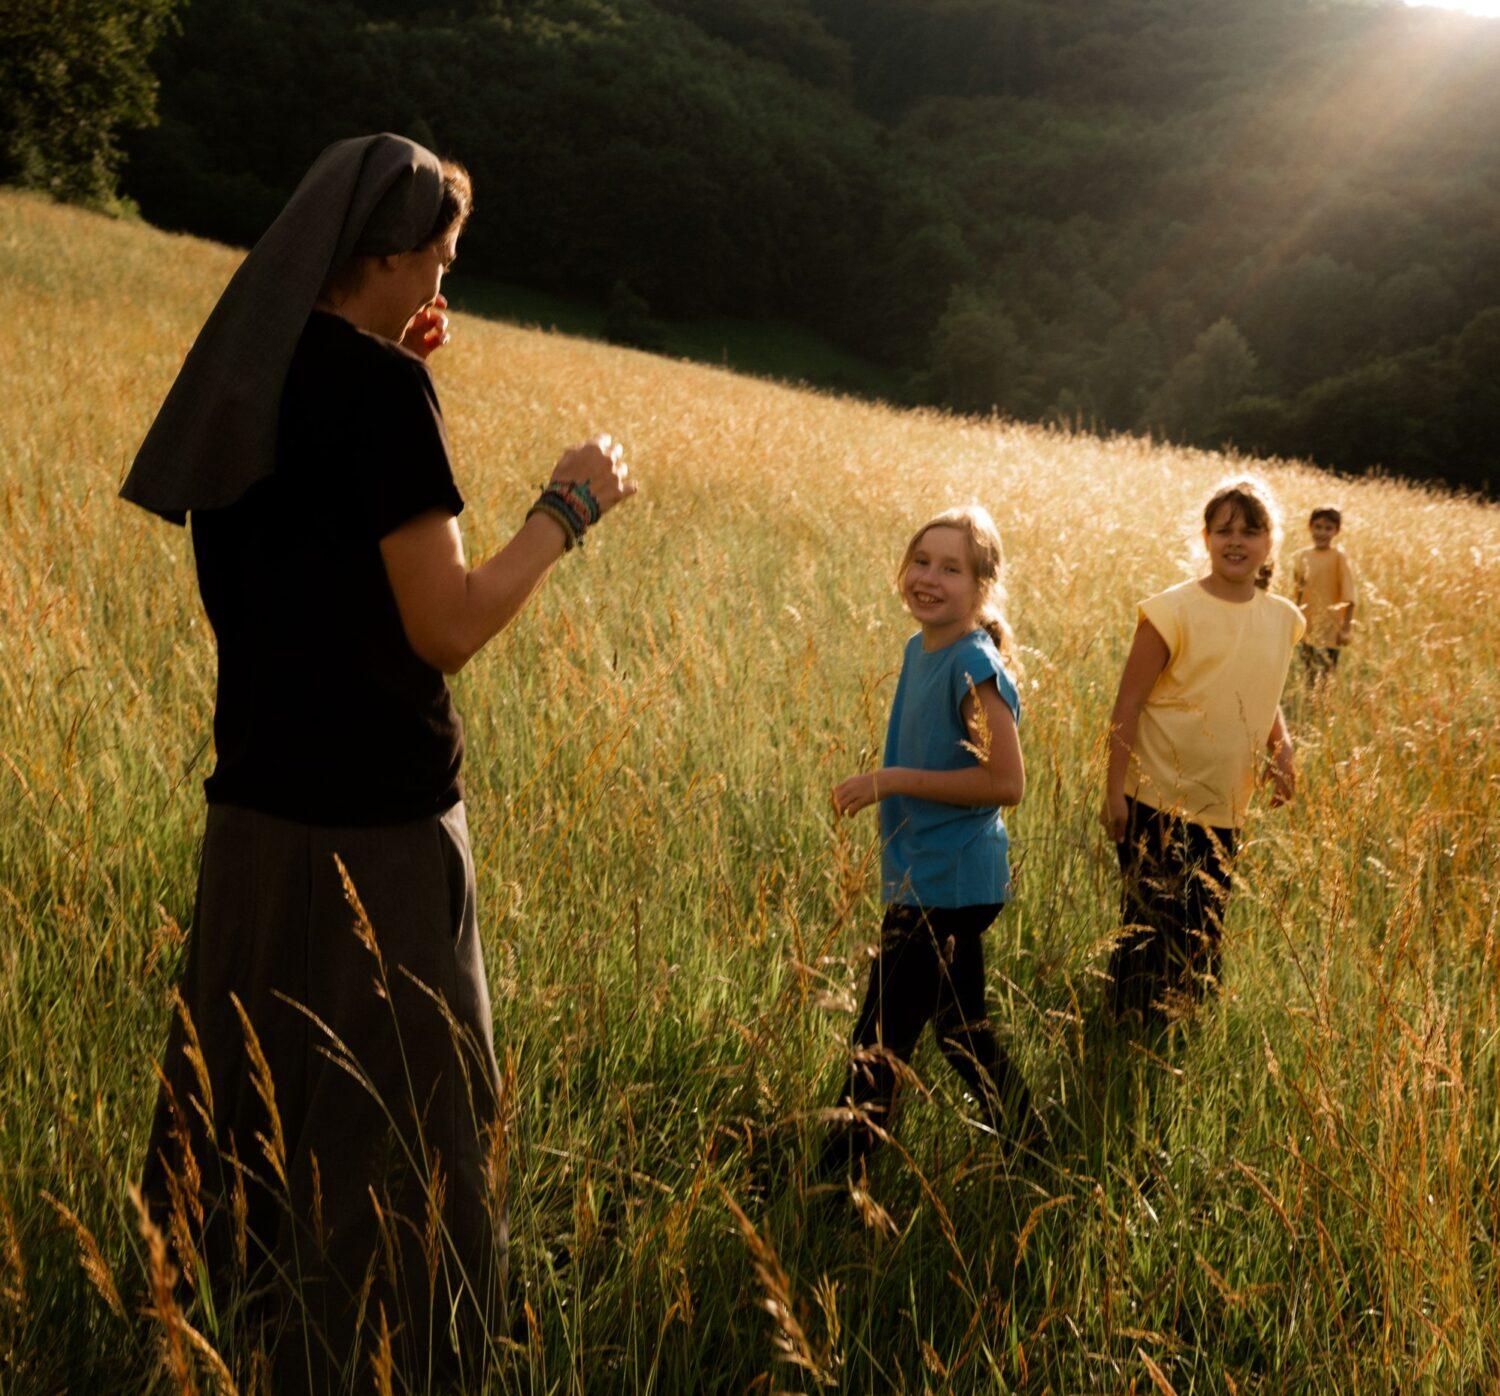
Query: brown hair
x,y
1252,501
1327,512
454,207
457,203
987,560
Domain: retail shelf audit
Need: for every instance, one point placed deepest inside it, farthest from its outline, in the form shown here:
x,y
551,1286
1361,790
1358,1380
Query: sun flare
x,y
1484,9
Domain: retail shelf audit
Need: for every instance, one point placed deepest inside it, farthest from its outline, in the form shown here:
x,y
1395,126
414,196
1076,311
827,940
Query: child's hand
x,y
852,795
427,329
1114,816
1281,774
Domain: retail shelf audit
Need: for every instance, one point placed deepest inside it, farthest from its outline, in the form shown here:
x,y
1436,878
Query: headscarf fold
x,y
215,434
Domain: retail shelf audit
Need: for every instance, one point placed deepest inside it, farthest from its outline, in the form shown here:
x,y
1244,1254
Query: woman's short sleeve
x,y
406,466
1162,615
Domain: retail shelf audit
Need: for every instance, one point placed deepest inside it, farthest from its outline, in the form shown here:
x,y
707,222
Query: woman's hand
x,y
852,795
427,330
599,464
1114,815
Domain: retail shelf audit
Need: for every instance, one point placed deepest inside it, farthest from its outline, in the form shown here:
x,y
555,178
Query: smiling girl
x,y
1198,712
952,761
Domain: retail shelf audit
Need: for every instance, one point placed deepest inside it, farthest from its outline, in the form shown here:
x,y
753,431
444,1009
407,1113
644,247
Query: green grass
x,y
1298,1194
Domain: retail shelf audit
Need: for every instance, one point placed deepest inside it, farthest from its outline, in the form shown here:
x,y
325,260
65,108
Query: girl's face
x,y
939,586
1237,549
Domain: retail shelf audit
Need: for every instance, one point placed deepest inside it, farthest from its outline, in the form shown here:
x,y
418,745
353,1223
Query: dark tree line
x,y
73,76
1271,223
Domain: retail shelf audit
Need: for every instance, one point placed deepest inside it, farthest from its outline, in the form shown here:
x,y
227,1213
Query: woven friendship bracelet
x,y
560,496
579,496
579,490
561,515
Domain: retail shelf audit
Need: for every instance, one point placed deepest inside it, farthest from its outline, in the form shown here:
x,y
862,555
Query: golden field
x,y
1300,1193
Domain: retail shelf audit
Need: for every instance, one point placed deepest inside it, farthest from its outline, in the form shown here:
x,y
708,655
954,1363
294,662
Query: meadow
x,y
1299,1193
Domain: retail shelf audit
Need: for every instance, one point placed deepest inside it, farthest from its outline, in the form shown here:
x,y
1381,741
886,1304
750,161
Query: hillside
x,y
1299,1195
1268,224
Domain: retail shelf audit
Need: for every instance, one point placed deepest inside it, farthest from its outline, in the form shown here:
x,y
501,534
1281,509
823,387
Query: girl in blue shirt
x,y
952,762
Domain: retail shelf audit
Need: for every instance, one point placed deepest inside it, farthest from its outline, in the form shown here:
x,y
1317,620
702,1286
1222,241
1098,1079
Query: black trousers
x,y
1318,661
930,968
1175,887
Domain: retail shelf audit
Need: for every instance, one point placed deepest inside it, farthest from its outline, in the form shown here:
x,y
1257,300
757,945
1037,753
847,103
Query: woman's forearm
x,y
451,611
971,786
495,592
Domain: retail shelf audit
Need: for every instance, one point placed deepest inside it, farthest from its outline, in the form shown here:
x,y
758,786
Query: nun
x,y
325,1158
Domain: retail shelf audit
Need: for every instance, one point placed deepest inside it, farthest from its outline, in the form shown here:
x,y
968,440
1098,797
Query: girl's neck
x,y
939,637
1217,586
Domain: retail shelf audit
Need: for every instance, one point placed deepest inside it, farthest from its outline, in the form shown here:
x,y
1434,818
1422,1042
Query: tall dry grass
x,y
1301,1193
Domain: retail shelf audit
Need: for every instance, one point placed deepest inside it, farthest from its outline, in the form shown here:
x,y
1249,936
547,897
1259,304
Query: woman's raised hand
x,y
599,464
427,329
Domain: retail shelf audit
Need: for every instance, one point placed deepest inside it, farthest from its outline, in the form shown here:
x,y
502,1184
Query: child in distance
x,y
1325,590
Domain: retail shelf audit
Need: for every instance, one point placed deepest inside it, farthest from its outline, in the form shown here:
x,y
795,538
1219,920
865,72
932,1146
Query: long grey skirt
x,y
323,1155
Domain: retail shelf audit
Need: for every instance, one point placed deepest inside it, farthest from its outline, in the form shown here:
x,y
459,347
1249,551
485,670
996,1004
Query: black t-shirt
x,y
325,714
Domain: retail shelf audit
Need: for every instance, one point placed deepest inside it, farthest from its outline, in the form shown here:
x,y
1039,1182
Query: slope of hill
x,y
1298,1194
1268,223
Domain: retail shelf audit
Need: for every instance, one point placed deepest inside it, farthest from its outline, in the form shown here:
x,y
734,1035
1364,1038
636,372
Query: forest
x,y
1270,225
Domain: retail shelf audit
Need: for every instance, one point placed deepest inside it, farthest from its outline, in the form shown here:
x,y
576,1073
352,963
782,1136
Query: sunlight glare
x,y
1485,9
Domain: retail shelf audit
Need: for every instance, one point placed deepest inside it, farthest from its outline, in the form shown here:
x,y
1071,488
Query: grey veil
x,y
215,434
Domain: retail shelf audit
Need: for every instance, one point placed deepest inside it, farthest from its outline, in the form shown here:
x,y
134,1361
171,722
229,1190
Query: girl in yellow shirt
x,y
1197,712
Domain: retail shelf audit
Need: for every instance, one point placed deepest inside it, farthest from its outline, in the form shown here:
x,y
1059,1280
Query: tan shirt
x,y
1203,731
1325,590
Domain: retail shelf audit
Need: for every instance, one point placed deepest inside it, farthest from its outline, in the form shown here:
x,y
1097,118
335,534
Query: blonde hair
x,y
1253,501
987,561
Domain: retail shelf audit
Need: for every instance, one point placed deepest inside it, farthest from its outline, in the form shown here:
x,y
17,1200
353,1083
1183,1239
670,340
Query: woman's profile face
x,y
419,273
397,286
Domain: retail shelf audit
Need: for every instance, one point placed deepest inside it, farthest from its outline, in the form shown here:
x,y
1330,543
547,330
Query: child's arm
x,y
1350,589
998,779
1143,666
1299,588
1281,770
